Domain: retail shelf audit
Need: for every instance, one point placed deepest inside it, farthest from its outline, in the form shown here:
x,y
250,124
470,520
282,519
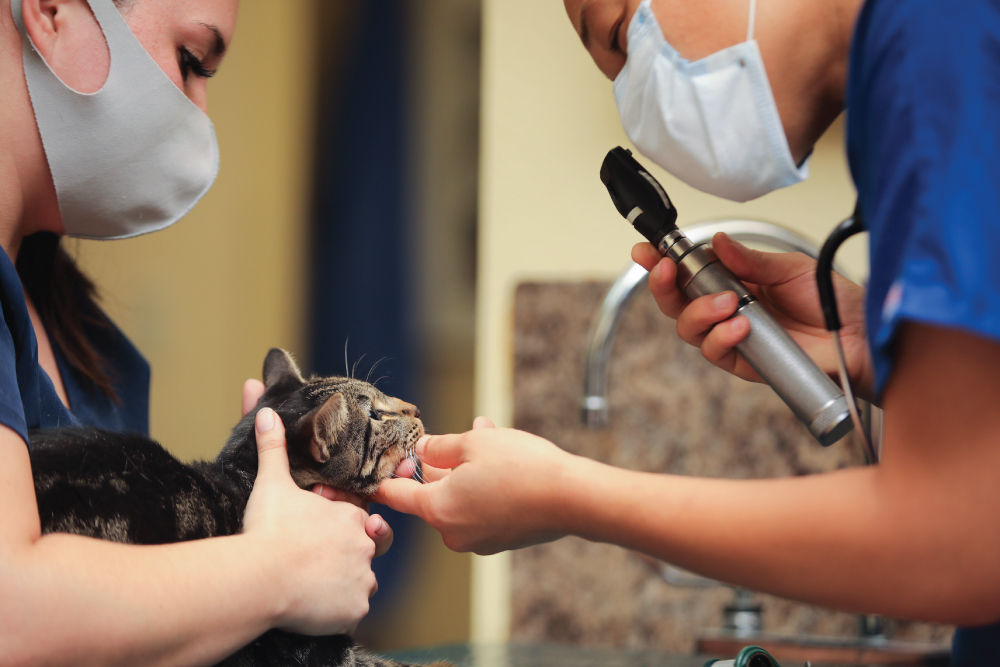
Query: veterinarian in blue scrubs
x,y
103,135
730,96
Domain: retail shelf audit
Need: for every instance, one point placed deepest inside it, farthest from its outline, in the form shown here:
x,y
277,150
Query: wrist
x,y
272,579
574,496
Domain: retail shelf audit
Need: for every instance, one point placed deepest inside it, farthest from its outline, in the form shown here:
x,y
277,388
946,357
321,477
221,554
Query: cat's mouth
x,y
409,467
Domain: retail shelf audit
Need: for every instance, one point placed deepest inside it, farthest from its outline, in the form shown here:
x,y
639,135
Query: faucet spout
x,y
594,411
594,404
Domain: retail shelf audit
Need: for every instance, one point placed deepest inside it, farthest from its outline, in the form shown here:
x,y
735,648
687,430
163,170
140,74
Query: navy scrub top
x,y
923,141
27,397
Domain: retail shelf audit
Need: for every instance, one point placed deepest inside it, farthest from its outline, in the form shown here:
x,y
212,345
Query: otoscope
x,y
808,391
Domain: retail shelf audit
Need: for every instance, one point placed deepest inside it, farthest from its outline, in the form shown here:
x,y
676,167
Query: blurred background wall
x,y
489,165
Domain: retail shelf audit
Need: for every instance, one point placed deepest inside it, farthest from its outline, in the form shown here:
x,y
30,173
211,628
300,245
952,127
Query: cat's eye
x,y
374,414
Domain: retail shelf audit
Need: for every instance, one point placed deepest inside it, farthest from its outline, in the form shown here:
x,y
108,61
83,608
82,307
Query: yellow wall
x,y
549,118
205,299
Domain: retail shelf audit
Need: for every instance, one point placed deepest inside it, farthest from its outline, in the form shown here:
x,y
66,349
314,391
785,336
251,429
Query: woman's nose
x,y
197,92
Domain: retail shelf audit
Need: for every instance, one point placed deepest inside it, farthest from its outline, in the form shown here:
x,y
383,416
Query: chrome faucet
x,y
594,403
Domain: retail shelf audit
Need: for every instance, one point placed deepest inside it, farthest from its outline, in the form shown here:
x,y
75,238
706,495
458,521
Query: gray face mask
x,y
132,158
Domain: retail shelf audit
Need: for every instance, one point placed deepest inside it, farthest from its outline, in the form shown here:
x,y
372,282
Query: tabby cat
x,y
124,487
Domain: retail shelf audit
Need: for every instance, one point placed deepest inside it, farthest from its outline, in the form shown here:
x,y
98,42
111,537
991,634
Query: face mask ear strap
x,y
752,20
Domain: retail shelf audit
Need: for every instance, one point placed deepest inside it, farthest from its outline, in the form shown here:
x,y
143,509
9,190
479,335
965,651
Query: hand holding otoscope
x,y
808,391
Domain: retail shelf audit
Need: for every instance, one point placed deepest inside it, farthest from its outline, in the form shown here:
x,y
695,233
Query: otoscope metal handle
x,y
808,391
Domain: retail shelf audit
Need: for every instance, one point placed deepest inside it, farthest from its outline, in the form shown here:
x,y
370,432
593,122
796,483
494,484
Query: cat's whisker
x,y
380,378
417,476
354,368
346,341
418,473
372,369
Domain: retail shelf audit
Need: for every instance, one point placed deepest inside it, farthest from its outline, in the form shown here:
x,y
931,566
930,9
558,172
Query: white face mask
x,y
132,158
712,123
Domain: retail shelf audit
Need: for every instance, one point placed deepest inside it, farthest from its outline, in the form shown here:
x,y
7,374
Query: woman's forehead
x,y
216,16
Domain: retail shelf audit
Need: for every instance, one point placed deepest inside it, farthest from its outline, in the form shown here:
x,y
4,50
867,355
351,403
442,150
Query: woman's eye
x,y
190,64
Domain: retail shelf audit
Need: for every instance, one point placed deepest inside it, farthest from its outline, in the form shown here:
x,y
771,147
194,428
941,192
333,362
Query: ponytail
x,y
66,303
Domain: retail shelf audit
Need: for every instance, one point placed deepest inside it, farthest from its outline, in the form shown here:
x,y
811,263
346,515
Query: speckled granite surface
x,y
671,411
545,655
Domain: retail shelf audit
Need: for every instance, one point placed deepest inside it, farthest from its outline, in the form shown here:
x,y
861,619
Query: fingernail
x,y
382,527
265,420
421,445
724,301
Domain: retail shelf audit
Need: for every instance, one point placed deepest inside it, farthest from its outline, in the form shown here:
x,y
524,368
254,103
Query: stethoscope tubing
x,y
855,224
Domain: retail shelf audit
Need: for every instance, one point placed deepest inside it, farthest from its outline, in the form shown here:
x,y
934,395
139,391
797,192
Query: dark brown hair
x,y
66,301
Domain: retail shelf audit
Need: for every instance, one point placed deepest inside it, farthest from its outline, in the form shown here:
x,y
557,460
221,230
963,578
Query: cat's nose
x,y
411,410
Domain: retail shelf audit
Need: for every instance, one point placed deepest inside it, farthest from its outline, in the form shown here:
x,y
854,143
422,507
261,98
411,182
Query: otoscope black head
x,y
638,196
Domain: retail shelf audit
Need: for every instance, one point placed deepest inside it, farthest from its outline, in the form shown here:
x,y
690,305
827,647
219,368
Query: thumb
x,y
483,422
442,451
756,266
272,457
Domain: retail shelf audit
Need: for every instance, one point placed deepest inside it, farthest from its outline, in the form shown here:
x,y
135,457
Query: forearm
x,y
78,600
858,540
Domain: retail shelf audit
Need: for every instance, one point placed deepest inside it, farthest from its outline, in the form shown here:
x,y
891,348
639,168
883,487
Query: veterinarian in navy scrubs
x,y
730,96
103,135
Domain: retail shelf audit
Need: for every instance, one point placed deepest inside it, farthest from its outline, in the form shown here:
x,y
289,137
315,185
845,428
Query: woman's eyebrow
x,y
219,44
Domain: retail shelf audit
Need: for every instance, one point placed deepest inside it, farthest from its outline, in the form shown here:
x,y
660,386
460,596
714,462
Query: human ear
x,y
68,37
39,17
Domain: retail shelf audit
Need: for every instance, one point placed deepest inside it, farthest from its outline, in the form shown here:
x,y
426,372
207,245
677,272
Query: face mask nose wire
x,y
828,303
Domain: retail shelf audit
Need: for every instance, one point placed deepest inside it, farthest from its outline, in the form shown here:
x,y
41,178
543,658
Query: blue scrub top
x,y
27,397
923,141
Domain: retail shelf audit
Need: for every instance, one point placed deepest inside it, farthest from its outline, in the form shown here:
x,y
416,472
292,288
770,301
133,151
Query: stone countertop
x,y
545,655
670,411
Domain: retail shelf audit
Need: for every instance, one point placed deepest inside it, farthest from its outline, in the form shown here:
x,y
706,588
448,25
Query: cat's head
x,y
341,431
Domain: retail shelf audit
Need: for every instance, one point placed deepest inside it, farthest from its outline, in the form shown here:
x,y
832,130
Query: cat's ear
x,y
280,368
329,421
